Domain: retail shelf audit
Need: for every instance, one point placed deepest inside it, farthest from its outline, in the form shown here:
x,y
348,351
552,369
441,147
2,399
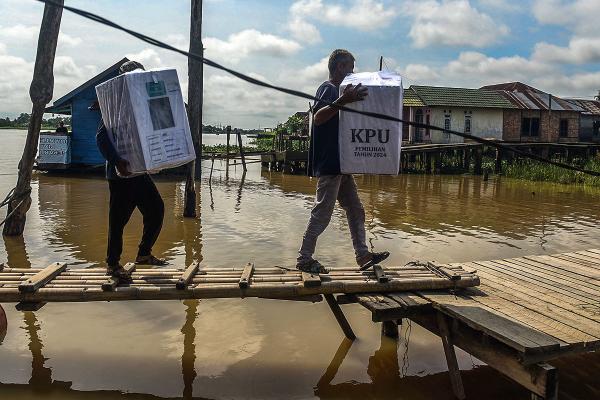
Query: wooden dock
x,y
435,157
525,312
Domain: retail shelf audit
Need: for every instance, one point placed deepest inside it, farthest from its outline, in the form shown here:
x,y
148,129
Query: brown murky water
x,y
264,349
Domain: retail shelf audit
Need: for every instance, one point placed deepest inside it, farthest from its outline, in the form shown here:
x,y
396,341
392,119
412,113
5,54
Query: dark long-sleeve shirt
x,y
108,151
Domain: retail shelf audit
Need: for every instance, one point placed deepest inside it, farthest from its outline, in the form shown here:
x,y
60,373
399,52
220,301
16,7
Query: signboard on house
x,y
54,149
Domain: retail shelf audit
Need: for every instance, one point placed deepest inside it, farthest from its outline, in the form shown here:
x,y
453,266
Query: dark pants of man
x,y
125,196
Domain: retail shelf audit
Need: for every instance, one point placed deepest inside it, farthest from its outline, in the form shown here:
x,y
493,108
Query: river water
x,y
265,349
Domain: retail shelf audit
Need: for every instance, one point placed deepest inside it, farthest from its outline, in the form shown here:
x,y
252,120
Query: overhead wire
x,y
296,93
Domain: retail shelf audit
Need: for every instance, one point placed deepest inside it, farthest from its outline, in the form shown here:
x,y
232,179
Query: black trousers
x,y
125,196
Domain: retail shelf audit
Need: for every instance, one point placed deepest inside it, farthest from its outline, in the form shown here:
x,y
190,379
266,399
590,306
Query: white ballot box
x,y
146,120
370,145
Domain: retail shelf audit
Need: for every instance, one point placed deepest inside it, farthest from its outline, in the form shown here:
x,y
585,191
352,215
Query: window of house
x,y
563,130
447,124
530,126
596,128
467,124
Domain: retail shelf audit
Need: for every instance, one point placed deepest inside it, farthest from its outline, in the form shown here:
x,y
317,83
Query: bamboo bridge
x,y
514,314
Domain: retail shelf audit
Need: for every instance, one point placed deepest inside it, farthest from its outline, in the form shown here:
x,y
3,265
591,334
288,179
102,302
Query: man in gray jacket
x,y
333,186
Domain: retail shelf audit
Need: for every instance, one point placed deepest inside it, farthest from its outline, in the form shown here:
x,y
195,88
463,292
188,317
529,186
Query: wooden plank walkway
x,y
527,310
59,283
557,295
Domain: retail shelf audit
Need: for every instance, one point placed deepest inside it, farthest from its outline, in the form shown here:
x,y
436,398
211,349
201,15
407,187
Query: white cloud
x,y
314,73
474,69
249,42
420,73
579,51
304,31
225,93
479,68
452,22
178,40
502,5
364,15
149,58
21,35
581,84
581,16
14,82
20,32
68,40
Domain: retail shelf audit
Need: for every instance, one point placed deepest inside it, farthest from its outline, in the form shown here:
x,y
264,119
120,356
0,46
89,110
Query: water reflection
x,y
41,376
189,348
16,251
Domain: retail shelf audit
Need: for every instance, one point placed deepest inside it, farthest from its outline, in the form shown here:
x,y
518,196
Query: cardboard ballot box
x,y
370,145
146,121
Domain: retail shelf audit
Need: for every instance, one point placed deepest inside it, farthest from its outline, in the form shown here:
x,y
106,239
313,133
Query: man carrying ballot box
x,y
127,193
333,186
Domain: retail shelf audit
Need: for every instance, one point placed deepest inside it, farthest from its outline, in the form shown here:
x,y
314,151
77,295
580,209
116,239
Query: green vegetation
x,y
536,171
22,122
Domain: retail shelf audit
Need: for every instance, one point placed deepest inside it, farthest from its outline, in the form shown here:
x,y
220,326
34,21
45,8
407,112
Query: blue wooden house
x,y
84,121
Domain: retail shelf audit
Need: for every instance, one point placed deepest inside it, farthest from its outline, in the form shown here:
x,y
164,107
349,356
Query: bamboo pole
x,y
230,290
40,92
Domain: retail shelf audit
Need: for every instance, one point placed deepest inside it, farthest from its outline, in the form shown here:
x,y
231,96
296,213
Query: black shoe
x,y
118,272
371,259
312,267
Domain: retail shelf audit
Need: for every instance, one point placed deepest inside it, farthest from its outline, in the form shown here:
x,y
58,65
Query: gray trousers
x,y
329,189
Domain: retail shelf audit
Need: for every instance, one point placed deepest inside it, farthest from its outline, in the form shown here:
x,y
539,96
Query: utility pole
x,y
40,92
381,63
195,93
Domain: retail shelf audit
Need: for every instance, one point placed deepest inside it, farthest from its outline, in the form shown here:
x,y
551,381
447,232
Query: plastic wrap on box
x,y
146,121
370,145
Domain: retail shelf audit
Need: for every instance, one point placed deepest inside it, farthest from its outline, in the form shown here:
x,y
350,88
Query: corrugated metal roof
x,y
411,99
591,107
460,97
529,98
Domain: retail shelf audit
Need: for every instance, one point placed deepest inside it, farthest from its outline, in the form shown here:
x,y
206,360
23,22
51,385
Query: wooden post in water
x,y
498,164
438,162
195,88
40,92
466,159
478,159
239,139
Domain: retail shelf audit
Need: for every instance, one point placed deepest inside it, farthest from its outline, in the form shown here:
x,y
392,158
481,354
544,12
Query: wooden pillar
x,y
389,329
40,92
427,162
438,162
478,155
195,89
239,139
498,163
466,159
227,147
339,316
539,378
454,371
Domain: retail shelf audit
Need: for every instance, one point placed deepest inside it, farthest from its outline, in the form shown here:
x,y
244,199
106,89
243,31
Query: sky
x,y
552,45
